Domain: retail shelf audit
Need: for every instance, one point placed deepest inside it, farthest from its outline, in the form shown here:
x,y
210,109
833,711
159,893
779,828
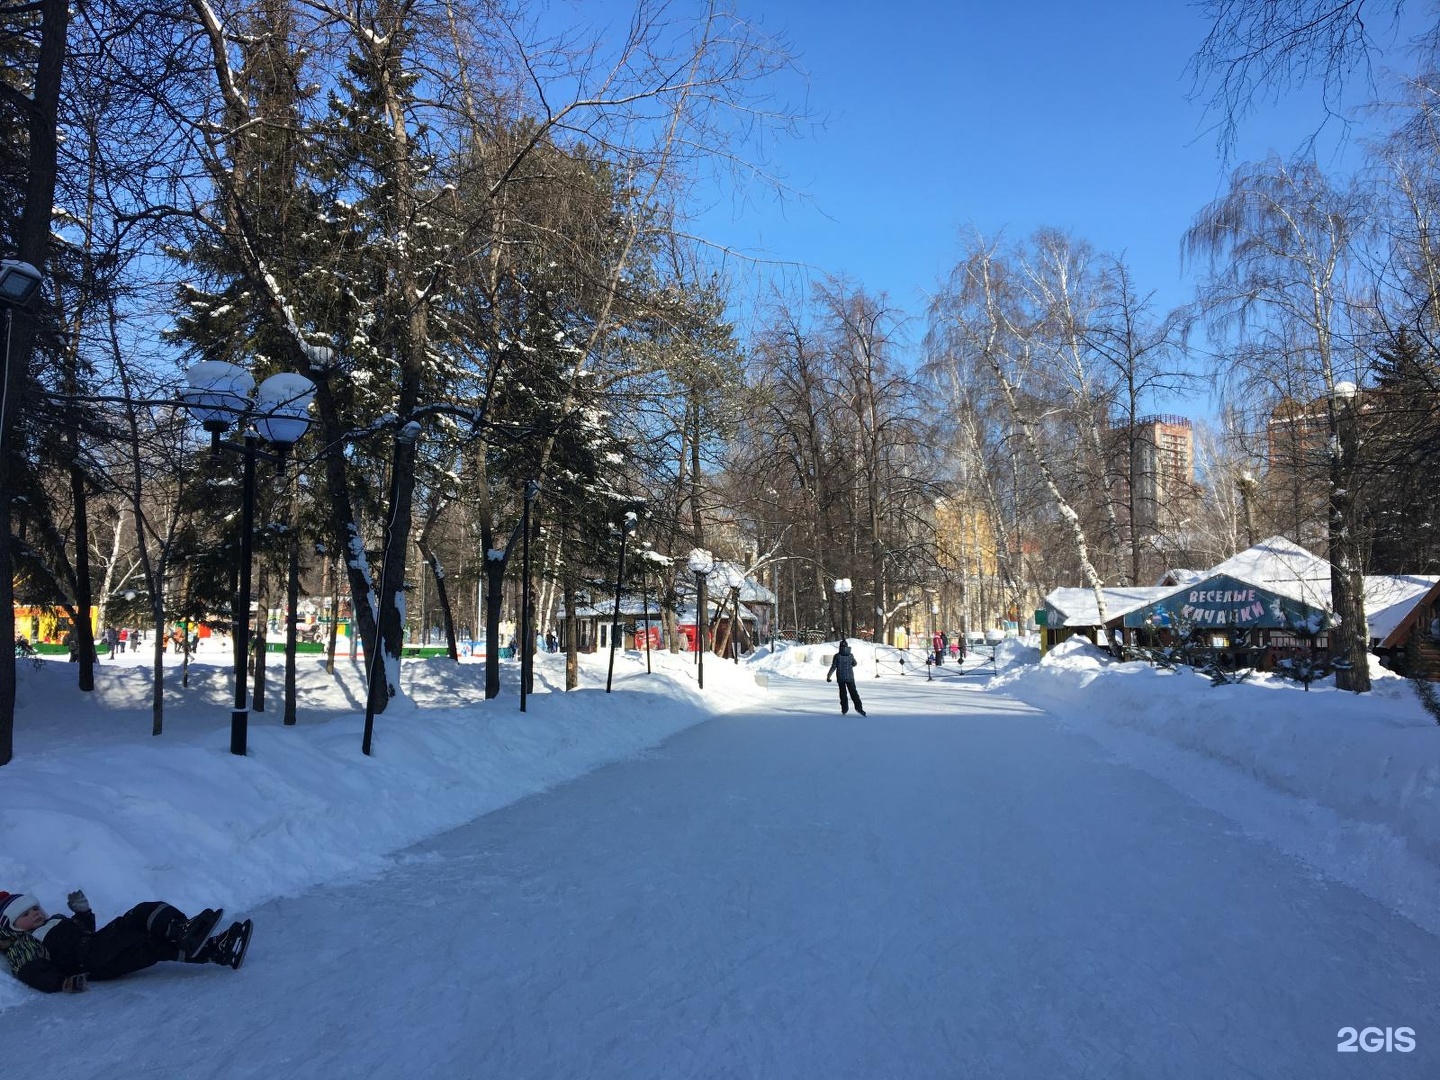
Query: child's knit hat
x,y
12,905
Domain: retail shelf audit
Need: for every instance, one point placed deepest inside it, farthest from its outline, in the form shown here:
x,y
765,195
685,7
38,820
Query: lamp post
x,y
842,590
701,562
527,659
626,528
292,602
219,395
19,281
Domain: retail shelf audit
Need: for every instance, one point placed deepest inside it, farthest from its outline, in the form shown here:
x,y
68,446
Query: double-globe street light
x,y
627,527
842,590
218,394
700,562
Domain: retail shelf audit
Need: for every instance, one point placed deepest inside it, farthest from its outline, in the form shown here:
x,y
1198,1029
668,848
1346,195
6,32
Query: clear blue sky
x,y
1001,116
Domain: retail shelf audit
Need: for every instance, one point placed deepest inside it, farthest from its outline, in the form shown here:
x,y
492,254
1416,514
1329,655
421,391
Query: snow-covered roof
x,y
634,609
1178,576
606,609
1077,607
1280,566
1391,597
751,592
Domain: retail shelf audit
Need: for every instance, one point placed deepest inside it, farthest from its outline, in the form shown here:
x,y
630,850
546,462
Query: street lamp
x,y
842,590
632,520
19,282
701,562
218,395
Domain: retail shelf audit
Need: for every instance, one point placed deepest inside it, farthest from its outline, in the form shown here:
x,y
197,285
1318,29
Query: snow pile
x,y
92,800
1370,760
1013,652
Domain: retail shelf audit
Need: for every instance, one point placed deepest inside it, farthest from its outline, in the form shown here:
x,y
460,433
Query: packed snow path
x,y
953,887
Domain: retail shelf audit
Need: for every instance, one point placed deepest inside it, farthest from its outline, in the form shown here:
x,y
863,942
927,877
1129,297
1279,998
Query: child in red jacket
x,y
63,952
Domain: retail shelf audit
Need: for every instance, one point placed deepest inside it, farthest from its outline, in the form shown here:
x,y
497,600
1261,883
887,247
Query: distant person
x,y
550,641
937,647
843,668
72,646
62,953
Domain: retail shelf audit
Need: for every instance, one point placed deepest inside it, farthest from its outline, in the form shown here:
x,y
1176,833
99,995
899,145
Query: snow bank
x,y
1370,758
92,800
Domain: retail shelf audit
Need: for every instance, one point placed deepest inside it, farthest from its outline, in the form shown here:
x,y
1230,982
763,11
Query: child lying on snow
x,y
63,952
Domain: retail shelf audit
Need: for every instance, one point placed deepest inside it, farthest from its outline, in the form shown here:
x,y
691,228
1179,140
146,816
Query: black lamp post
x,y
292,603
645,603
527,658
842,590
701,562
218,395
19,281
628,527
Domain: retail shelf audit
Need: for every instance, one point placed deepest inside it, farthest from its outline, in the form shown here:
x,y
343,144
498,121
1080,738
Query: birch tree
x,y
1281,247
982,315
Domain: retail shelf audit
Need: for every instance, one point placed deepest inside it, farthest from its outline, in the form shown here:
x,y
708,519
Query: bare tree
x,y
986,314
1258,49
1282,249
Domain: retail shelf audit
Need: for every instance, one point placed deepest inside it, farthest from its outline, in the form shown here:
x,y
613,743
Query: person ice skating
x,y
843,668
62,953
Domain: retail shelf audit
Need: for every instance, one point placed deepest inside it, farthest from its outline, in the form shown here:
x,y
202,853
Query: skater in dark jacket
x,y
843,668
63,952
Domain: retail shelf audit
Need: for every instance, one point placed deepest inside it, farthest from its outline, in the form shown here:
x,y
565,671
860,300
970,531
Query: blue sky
x,y
999,116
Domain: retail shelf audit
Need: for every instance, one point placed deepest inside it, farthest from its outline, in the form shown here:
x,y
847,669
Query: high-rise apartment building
x,y
1161,467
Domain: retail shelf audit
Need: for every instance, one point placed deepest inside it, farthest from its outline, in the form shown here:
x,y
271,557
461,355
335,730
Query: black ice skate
x,y
229,948
191,936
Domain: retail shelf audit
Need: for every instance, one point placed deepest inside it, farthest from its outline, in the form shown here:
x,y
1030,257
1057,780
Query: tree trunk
x,y
494,584
258,638
1350,641
442,595
572,637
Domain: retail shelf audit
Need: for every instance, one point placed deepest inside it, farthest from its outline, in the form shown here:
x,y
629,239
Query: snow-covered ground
x,y
1151,876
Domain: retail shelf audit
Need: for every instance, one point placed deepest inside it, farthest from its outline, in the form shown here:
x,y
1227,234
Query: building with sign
x,y
1066,612
1276,595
